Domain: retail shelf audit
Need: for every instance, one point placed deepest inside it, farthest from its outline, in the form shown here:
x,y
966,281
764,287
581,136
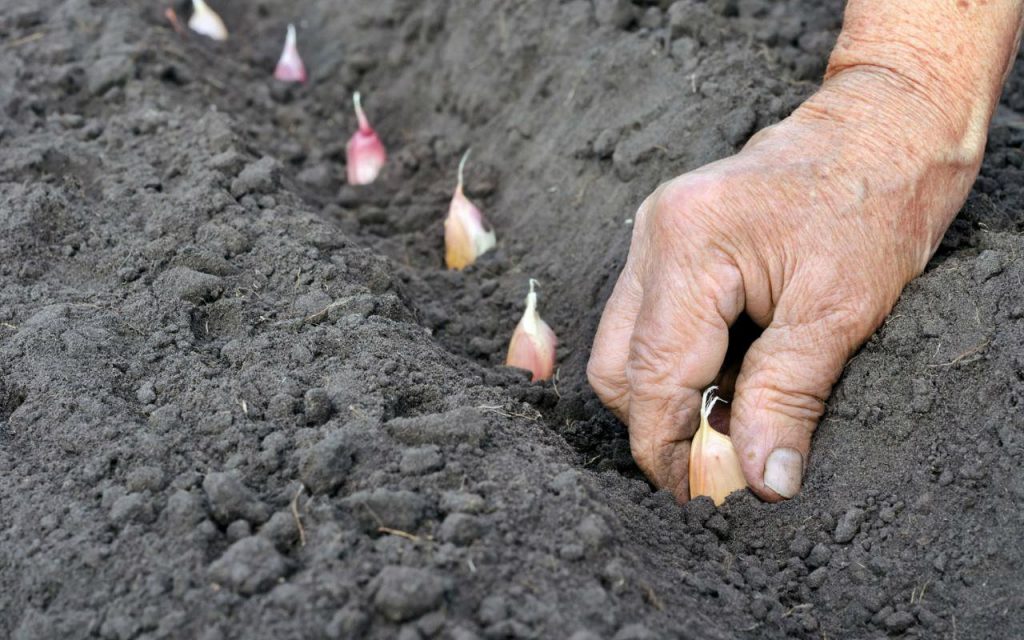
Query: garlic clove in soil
x,y
206,22
533,342
365,152
290,67
467,235
714,464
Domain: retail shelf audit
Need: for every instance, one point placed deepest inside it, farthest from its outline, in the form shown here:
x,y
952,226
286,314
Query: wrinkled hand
x,y
813,230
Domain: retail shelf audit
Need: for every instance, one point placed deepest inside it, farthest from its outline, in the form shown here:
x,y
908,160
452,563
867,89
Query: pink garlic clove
x,y
290,67
365,152
467,235
533,342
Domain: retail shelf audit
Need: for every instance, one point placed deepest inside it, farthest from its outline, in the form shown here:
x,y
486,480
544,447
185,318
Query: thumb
x,y
785,379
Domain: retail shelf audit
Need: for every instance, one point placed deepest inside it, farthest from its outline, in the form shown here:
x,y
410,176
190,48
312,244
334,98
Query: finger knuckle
x,y
776,389
647,369
608,384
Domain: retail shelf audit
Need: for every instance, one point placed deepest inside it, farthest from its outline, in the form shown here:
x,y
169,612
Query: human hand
x,y
812,230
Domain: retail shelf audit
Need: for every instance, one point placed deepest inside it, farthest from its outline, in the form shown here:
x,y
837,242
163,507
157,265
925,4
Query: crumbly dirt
x,y
240,399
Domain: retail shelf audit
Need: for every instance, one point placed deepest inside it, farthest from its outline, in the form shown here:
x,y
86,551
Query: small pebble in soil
x,y
184,510
230,499
899,622
251,565
146,478
188,285
819,556
256,177
145,393
460,529
350,622
237,530
281,529
133,507
420,460
403,510
848,525
461,501
404,593
988,263
817,577
316,406
492,609
801,545
325,466
593,532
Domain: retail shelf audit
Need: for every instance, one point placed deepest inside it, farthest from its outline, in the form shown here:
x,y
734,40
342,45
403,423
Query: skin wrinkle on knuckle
x,y
609,390
775,390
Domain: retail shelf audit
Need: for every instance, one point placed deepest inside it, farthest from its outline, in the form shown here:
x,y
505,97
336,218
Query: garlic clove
x,y
533,342
290,67
365,152
714,464
467,235
206,22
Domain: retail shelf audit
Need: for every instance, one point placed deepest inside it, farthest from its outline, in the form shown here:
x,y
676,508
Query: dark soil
x,y
197,315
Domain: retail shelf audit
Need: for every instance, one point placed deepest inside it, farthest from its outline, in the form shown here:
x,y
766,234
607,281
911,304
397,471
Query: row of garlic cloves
x,y
467,234
207,22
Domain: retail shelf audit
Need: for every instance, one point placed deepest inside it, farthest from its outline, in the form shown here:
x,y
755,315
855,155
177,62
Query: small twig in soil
x,y
295,514
920,596
8,325
798,607
572,91
652,597
554,382
32,37
501,411
400,533
966,354
583,191
472,567
357,412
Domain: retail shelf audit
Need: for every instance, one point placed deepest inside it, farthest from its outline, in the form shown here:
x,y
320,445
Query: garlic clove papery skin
x,y
467,235
206,22
714,464
290,67
365,153
533,342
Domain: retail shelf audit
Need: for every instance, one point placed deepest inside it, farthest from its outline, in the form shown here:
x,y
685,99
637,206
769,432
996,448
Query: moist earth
x,y
240,399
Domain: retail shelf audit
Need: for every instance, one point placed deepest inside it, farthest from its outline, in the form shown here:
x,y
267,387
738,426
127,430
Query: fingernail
x,y
783,471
